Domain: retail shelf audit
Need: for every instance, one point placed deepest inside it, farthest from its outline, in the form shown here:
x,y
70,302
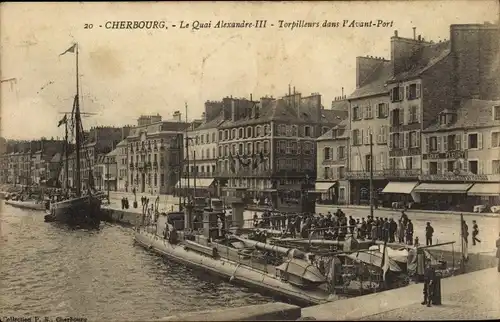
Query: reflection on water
x,y
49,270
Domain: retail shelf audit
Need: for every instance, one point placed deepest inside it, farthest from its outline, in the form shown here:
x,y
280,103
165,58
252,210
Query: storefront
x,y
201,187
360,191
326,192
487,194
443,196
398,194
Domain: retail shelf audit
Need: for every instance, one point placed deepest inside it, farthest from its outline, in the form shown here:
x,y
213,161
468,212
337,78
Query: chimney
x,y
414,32
342,91
402,51
419,38
364,68
233,111
395,33
251,97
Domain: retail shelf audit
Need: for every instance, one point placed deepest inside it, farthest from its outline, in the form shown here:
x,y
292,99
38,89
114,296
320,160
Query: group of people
x,y
338,226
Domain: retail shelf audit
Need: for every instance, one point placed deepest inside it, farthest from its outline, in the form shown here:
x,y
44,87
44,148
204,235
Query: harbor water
x,y
50,270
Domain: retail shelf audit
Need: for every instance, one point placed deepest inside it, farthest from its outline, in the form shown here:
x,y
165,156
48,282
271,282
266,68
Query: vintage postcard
x,y
295,160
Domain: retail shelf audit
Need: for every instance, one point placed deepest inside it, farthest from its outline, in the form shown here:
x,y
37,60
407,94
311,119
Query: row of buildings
x,y
427,121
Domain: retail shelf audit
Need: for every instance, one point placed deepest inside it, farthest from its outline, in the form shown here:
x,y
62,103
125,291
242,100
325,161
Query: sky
x,y
126,73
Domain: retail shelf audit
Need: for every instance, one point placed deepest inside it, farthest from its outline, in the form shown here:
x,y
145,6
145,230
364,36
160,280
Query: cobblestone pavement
x,y
470,296
475,304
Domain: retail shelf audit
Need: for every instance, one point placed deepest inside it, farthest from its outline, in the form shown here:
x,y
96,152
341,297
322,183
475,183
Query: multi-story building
x,y
54,169
420,87
369,115
200,162
269,146
155,150
122,166
461,156
332,161
105,171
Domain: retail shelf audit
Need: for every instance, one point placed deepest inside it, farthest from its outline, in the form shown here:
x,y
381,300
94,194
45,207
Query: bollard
x,y
436,294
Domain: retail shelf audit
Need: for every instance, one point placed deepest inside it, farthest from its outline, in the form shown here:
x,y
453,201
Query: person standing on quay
x,y
475,233
429,231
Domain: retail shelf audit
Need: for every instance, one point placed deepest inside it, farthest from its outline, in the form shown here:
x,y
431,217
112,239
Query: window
x,y
409,163
249,132
413,91
241,134
382,110
295,131
288,147
308,148
396,140
397,94
355,113
383,131
368,112
213,137
282,130
327,155
267,130
414,139
226,135
155,179
495,139
324,130
450,166
341,153
240,149
294,147
342,193
307,131
258,130
257,147
202,139
395,117
326,173
356,137
249,148
414,117
433,144
226,150
473,141
453,142
433,167
495,166
208,154
282,147
266,147
233,149
473,168
220,151
496,113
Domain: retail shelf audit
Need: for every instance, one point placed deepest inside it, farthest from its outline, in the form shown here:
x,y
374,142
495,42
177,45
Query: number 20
x,y
88,26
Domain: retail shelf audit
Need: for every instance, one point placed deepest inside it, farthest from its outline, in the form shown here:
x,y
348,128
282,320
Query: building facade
x,y
122,166
461,157
369,114
268,147
155,154
331,164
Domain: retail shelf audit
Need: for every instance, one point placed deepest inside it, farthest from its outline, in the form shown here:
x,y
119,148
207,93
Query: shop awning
x,y
443,187
201,183
400,187
323,187
485,189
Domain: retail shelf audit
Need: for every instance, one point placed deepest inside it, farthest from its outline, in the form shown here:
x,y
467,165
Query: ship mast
x,y
77,128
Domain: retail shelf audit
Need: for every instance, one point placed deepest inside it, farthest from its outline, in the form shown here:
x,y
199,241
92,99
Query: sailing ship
x,y
77,207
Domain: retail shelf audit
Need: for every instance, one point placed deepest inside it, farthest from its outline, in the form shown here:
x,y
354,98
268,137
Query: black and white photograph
x,y
249,160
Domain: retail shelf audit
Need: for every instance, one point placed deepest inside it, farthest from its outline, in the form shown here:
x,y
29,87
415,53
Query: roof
x,y
375,83
423,59
279,110
113,152
329,135
56,157
341,105
122,143
211,124
472,113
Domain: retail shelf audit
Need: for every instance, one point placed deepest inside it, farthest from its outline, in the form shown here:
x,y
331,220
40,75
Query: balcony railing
x,y
387,173
199,174
243,172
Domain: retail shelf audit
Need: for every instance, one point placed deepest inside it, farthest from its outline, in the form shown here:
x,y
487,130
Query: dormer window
x,y
442,119
496,113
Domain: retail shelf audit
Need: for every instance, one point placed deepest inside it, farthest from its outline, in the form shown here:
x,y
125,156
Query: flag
x,y
385,260
232,166
71,49
64,120
258,160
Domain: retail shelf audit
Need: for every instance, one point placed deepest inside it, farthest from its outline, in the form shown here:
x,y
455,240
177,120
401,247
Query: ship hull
x,y
231,270
83,211
32,205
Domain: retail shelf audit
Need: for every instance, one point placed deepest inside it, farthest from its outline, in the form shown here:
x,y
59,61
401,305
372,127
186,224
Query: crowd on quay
x,y
338,226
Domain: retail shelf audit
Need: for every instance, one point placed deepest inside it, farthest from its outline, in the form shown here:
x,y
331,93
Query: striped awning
x,y
323,187
201,183
443,187
485,189
400,187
